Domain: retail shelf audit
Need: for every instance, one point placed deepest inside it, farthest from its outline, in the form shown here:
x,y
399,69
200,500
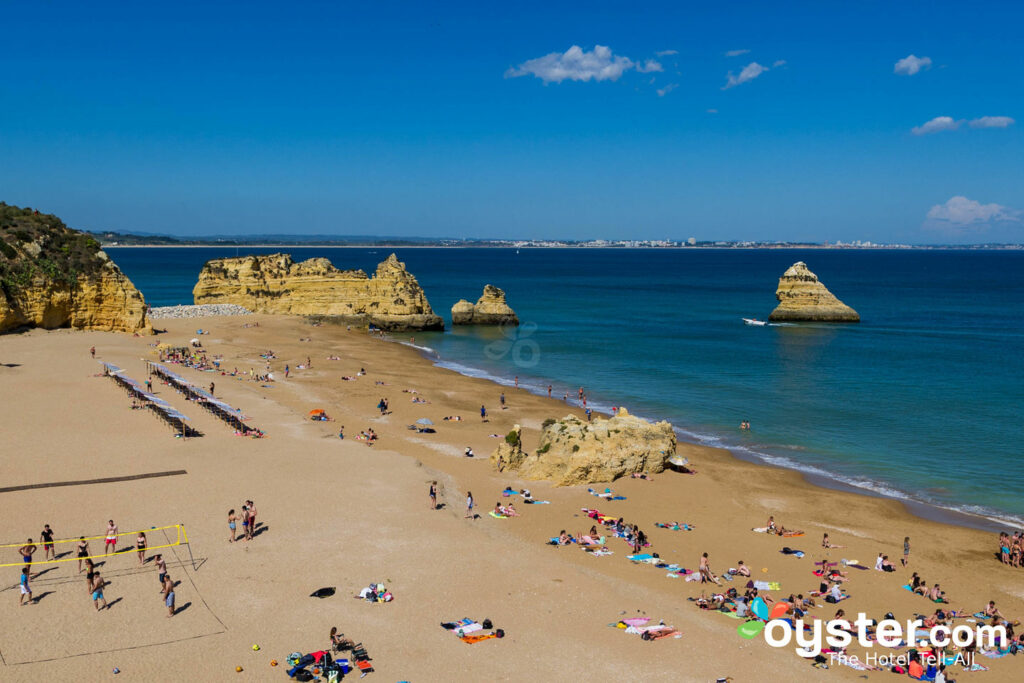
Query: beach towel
x,y
538,502
790,551
644,557
767,585
635,621
477,638
600,552
981,615
494,514
760,529
674,527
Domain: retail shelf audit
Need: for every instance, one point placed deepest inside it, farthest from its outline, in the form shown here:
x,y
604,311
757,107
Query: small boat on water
x,y
755,321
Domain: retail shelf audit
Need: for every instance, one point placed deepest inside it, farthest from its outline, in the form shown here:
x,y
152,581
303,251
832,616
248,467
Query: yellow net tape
x,y
40,553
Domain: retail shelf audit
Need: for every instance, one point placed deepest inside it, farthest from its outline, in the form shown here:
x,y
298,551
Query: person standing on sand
x,y
549,391
47,537
502,400
140,545
110,540
168,594
26,589
252,518
433,495
149,385
231,525
517,381
97,591
469,505
161,569
483,413
906,551
93,351
211,388
27,551
83,552
286,370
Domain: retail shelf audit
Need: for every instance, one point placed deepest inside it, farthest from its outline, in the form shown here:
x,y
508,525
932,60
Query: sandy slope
x,y
339,513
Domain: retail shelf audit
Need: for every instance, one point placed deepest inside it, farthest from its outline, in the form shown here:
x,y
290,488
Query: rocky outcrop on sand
x,y
803,298
52,276
391,299
573,451
490,309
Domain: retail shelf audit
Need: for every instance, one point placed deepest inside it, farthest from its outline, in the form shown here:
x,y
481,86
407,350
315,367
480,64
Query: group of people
x,y
95,582
248,519
1011,548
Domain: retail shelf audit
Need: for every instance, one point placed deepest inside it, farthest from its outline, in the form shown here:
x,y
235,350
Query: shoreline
x,y
808,247
924,510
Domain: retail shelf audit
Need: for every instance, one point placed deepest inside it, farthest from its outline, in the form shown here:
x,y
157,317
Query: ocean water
x,y
923,400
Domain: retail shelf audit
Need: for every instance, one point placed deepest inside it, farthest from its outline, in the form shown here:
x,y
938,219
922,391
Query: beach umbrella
x,y
678,461
424,421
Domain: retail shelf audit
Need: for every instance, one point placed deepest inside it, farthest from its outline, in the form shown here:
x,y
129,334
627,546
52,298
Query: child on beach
x,y
26,589
433,495
469,505
906,551
231,525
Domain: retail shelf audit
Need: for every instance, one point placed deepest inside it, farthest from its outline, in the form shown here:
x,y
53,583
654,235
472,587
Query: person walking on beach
x,y
168,594
589,414
161,569
469,505
149,385
549,391
231,525
517,381
211,388
906,551
110,540
483,413
97,591
286,370
502,400
46,535
433,495
93,351
27,551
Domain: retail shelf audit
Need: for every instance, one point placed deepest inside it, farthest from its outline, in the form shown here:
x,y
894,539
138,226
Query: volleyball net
x,y
96,548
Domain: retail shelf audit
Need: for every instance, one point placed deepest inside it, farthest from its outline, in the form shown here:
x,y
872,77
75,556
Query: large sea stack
x,y
490,309
572,451
391,299
52,276
803,298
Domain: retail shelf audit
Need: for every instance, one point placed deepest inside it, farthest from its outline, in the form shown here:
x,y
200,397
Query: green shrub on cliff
x,y
34,244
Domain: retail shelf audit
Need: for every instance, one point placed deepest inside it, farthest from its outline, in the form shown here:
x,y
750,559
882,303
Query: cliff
x,y
572,451
803,298
52,276
391,299
490,309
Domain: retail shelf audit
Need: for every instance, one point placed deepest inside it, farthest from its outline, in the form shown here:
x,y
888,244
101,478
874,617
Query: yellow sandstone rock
x,y
490,309
391,299
803,298
573,451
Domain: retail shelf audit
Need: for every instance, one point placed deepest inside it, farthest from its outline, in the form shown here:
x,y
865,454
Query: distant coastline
x,y
479,245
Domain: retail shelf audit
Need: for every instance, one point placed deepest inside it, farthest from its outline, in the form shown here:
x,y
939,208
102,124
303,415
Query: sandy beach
x,y
340,513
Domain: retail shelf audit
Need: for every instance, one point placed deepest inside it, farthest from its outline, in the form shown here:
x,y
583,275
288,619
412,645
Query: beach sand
x,y
339,513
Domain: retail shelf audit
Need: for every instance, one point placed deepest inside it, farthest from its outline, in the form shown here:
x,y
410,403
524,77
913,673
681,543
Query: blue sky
x,y
476,119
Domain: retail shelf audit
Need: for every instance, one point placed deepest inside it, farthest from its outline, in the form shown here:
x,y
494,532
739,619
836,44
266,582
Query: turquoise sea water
x,y
922,400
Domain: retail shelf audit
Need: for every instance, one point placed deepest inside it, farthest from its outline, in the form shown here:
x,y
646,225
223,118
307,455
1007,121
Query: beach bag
x,y
487,624
302,675
499,633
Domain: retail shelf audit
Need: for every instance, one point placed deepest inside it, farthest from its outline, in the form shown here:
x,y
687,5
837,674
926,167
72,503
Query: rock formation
x,y
573,451
490,309
802,298
52,276
391,299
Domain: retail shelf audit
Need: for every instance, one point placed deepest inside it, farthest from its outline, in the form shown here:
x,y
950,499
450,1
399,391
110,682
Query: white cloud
x,y
749,73
910,65
991,122
778,63
961,213
575,64
736,53
649,66
666,53
936,125
667,89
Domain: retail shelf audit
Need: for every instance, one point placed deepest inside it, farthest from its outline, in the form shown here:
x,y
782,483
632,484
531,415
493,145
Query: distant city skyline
x,y
746,122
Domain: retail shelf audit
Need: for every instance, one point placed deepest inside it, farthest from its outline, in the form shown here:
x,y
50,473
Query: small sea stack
x,y
803,298
490,309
